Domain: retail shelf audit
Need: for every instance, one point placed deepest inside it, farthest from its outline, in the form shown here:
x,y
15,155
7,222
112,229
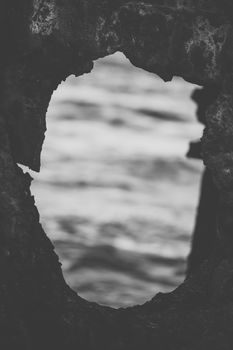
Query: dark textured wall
x,y
43,42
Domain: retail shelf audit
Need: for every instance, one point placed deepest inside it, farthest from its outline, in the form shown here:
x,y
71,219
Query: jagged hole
x,y
116,194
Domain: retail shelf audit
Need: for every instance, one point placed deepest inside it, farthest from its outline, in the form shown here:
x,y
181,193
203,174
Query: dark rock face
x,y
44,41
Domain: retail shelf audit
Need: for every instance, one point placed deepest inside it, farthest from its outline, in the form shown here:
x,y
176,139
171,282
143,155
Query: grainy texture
x,y
44,41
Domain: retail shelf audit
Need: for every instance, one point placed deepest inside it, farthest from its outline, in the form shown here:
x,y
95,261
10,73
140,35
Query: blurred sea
x,y
116,194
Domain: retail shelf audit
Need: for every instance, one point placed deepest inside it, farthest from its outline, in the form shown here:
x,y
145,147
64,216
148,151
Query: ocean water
x,y
116,194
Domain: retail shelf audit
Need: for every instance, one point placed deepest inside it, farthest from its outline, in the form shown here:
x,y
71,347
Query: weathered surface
x,y
44,41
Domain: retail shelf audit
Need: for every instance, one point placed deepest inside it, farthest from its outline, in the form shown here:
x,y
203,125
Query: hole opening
x,y
116,194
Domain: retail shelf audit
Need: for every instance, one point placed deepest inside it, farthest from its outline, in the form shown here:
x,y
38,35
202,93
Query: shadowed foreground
x,y
42,43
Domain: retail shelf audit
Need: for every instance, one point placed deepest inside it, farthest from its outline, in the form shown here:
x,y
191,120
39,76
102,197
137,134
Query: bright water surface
x,y
116,194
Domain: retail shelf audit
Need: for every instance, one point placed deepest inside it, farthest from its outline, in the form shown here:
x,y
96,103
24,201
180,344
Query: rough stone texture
x,y
43,42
